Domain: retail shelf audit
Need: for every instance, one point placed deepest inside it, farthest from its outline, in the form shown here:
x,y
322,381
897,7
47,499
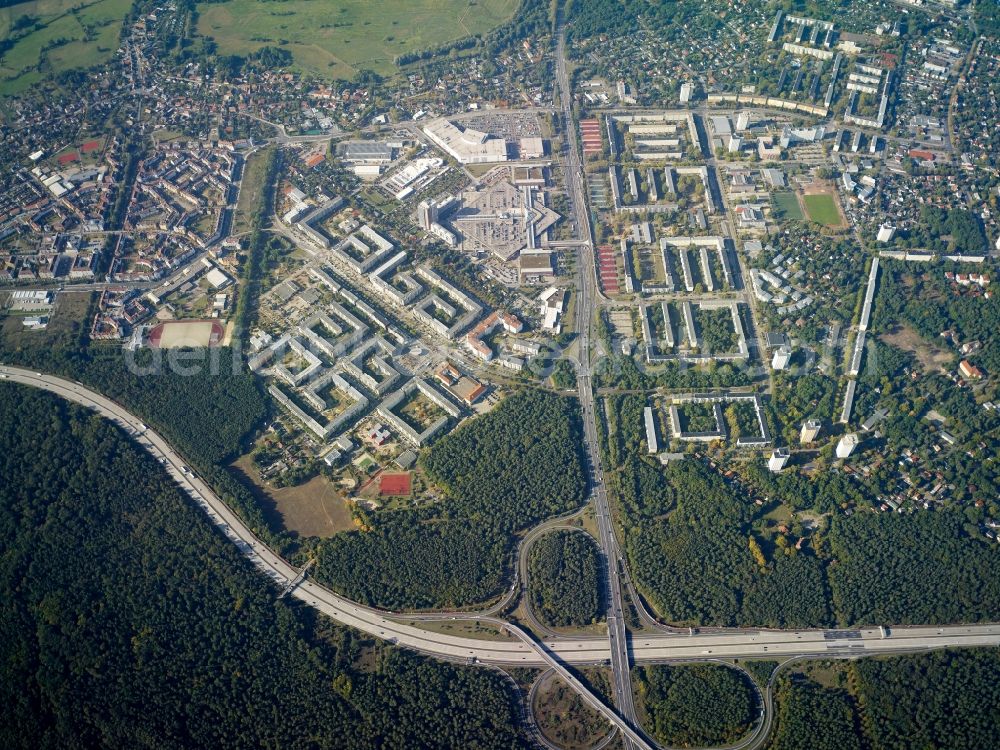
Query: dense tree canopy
x,y
811,717
203,401
515,466
695,706
564,578
411,559
919,568
687,538
699,553
125,621
696,566
940,699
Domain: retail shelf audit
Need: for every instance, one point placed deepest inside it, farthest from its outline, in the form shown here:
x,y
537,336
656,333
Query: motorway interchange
x,y
522,649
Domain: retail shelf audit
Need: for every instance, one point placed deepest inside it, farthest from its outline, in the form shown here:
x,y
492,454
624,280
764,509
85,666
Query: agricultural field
x,y
40,38
822,208
339,39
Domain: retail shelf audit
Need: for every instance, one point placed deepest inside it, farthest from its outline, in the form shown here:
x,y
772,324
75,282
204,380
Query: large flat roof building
x,y
372,152
466,146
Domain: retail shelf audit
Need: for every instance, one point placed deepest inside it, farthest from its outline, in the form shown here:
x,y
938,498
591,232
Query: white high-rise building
x,y
779,457
782,356
427,213
847,444
886,232
810,430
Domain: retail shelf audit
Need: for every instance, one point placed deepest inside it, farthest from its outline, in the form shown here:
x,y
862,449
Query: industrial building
x,y
366,152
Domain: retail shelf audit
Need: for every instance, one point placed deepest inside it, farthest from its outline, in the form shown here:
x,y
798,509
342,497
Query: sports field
x,y
786,205
84,37
822,208
336,39
186,333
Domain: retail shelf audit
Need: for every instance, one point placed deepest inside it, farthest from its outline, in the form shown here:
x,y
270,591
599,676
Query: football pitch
x,y
822,208
337,39
787,206
179,334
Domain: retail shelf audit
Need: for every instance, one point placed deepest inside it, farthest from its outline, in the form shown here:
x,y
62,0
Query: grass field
x,y
786,205
67,321
337,39
932,358
251,190
89,31
314,508
822,208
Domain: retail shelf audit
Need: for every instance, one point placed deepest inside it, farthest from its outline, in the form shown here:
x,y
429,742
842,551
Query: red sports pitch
x,y
395,485
177,334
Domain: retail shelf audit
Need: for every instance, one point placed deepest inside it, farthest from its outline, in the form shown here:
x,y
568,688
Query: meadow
x,y
50,36
337,39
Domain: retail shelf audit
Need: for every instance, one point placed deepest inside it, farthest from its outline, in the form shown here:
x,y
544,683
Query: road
x,y
586,271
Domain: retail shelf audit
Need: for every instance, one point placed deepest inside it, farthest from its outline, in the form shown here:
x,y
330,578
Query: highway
x,y
586,300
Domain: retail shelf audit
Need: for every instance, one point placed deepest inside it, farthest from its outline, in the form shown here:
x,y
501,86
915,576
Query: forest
x,y
823,491
594,17
204,408
809,716
687,537
911,569
501,473
940,699
515,466
695,565
698,554
564,578
414,559
695,706
961,227
127,621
